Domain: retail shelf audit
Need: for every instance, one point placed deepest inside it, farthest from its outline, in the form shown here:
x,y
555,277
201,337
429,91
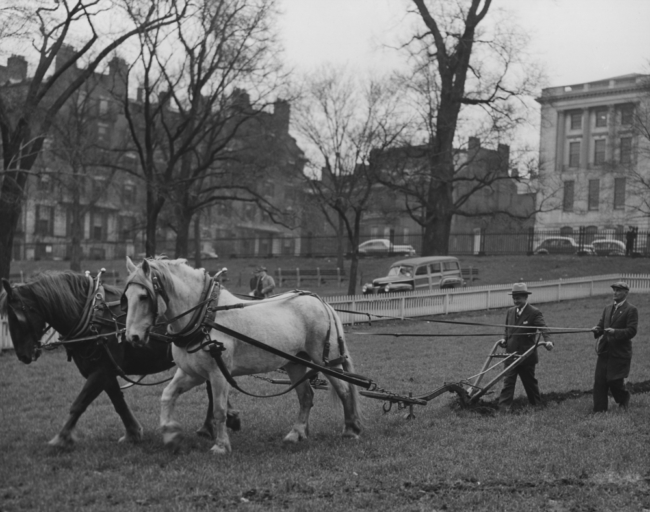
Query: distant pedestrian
x,y
523,321
261,284
615,330
630,238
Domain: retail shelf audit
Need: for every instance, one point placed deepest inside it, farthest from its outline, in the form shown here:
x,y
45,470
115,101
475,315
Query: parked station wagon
x,y
424,273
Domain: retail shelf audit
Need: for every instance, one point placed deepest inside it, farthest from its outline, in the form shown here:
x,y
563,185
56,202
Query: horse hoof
x,y
293,437
351,435
220,450
132,437
60,441
205,432
233,422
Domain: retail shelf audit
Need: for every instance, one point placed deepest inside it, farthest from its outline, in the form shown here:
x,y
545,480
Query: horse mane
x,y
162,264
56,294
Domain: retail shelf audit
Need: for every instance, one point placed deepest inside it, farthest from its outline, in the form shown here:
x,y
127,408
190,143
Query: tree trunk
x,y
11,204
9,213
154,205
183,224
197,242
76,254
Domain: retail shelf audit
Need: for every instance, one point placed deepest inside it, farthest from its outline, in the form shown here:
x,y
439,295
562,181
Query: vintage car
x,y
563,245
608,247
413,274
383,247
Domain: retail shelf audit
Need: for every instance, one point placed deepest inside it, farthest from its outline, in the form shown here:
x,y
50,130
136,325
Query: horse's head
x,y
144,299
26,325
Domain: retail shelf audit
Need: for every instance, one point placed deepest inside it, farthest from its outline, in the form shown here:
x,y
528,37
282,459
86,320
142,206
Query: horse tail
x,y
347,364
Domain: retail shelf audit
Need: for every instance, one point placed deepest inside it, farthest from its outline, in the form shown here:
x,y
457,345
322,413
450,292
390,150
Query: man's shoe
x,y
626,401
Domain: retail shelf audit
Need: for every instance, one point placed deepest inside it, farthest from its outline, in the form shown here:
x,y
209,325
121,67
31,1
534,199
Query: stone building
x,y
592,160
86,171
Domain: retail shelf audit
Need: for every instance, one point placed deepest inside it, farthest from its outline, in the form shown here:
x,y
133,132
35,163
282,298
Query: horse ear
x,y
130,267
7,286
146,268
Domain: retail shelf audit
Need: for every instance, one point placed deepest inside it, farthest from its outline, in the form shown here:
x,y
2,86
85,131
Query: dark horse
x,y
61,300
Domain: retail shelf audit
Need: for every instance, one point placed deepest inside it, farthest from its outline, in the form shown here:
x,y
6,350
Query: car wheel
x,y
541,252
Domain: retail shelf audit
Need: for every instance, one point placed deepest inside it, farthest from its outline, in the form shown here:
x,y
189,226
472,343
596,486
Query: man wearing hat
x,y
523,321
615,330
262,284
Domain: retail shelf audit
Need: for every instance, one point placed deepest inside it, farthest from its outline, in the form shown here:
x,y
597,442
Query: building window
x,y
627,115
103,106
97,228
575,120
102,132
44,220
599,151
45,184
594,194
601,118
626,150
567,202
574,154
619,193
566,230
128,193
126,228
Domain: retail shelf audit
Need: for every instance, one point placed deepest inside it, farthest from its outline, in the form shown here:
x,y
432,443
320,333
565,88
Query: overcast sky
x,y
576,40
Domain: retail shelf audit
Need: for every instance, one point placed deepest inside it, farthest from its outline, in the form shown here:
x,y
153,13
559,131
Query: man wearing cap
x,y
262,284
615,330
523,321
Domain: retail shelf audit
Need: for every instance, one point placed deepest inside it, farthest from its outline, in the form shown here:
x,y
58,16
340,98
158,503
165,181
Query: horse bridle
x,y
153,287
205,309
22,317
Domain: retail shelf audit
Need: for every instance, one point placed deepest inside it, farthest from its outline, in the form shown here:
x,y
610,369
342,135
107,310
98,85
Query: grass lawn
x,y
558,458
492,269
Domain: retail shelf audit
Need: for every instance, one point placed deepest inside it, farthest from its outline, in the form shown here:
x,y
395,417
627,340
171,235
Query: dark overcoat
x,y
617,347
521,332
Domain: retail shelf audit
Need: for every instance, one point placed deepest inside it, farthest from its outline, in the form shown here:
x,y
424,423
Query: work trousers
x,y
526,373
602,386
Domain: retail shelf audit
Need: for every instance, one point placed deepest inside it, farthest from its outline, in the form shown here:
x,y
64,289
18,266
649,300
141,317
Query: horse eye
x,y
143,298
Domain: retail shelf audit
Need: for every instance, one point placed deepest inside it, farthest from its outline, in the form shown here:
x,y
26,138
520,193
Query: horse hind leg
x,y
300,429
349,397
134,431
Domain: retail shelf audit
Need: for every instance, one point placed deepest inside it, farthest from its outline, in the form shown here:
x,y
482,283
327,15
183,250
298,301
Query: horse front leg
x,y
300,429
94,385
232,417
133,429
170,428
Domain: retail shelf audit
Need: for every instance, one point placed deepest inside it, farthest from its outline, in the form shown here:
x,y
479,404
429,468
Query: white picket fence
x,y
442,302
477,298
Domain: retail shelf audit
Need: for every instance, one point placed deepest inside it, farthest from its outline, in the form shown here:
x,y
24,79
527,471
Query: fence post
x,y
446,304
318,276
298,277
280,276
338,276
402,307
487,301
353,307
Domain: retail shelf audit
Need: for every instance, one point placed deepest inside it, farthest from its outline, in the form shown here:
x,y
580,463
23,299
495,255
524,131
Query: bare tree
x,y
28,110
342,120
187,123
457,66
83,164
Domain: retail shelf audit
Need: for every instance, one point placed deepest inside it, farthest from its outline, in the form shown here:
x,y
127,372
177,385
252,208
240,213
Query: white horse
x,y
298,324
